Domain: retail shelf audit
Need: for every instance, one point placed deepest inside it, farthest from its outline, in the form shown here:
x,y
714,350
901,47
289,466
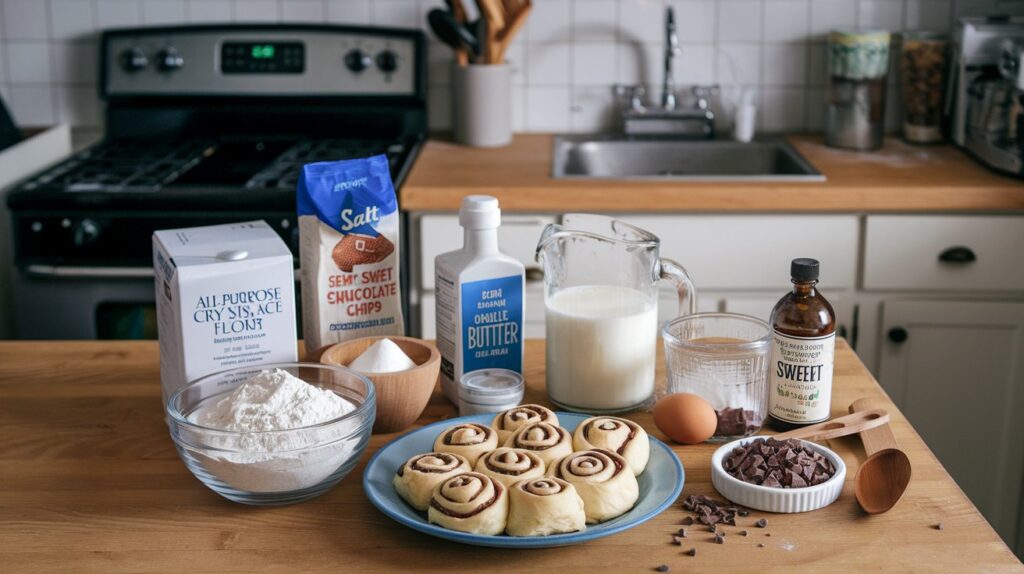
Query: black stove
x,y
212,124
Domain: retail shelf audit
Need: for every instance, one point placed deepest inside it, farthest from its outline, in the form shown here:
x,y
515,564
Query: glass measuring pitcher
x,y
601,300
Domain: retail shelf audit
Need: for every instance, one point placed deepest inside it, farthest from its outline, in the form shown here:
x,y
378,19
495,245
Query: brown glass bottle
x,y
803,349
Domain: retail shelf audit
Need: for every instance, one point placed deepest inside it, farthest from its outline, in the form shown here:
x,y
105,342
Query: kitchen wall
x,y
570,54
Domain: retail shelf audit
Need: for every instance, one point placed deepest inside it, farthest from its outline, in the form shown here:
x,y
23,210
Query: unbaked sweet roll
x,y
542,506
510,465
416,479
602,479
548,441
470,502
620,436
508,422
470,440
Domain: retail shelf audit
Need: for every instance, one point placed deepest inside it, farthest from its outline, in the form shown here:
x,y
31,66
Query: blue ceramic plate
x,y
660,484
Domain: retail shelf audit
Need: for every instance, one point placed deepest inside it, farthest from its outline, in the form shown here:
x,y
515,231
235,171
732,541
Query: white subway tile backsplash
x,y
883,14
593,64
550,21
785,64
348,11
118,13
162,12
828,15
564,61
31,105
739,20
548,108
268,11
739,64
201,11
28,62
72,19
548,64
641,21
25,20
595,21
75,62
303,11
786,20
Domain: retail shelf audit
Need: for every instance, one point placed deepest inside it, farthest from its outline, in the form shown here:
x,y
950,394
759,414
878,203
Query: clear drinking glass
x,y
722,357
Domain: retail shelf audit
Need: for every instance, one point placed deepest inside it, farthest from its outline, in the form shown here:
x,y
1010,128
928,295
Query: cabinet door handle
x,y
957,254
898,335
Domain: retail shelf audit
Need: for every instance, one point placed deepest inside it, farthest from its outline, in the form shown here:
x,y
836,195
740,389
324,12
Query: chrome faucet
x,y
668,86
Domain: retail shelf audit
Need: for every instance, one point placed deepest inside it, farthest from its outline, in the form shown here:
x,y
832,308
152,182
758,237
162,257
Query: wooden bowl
x,y
401,396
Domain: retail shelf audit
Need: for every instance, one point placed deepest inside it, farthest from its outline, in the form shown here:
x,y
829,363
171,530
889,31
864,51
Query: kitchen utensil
x,y
601,291
883,477
459,13
482,104
771,499
660,485
840,426
516,12
402,395
723,358
449,31
858,65
317,457
493,14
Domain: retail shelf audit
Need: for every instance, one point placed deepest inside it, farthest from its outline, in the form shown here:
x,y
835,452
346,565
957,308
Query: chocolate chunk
x,y
688,521
939,526
761,523
719,539
712,529
736,422
744,512
778,464
663,568
692,552
759,545
743,532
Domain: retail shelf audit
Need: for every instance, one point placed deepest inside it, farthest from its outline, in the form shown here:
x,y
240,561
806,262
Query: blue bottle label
x,y
492,324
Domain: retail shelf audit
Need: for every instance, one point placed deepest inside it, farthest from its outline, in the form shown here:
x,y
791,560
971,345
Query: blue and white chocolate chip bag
x,y
348,246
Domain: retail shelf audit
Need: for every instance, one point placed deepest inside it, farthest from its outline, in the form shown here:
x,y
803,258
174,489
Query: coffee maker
x,y
987,86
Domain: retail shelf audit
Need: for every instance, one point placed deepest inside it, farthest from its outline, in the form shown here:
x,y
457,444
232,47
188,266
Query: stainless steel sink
x,y
611,157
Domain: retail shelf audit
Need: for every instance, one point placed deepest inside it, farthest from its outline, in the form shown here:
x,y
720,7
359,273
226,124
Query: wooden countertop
x,y
90,482
898,178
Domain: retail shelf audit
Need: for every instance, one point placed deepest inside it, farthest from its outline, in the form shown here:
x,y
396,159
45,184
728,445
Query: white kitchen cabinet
x,y
956,369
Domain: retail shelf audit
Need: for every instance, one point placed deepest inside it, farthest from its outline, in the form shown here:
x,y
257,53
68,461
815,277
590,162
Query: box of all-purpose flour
x,y
225,298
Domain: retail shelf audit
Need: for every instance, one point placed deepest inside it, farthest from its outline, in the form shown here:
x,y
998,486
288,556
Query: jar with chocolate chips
x,y
923,71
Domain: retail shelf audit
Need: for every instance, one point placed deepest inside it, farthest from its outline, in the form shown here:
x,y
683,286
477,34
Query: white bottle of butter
x,y
479,299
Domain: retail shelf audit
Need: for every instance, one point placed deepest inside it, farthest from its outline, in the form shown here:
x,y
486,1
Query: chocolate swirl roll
x,y
603,480
621,436
548,441
542,506
470,440
510,421
416,479
470,502
510,465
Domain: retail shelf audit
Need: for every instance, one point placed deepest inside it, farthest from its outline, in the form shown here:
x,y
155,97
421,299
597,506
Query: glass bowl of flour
x,y
273,434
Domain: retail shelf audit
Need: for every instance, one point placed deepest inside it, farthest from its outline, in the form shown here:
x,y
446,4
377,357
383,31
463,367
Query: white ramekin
x,y
771,499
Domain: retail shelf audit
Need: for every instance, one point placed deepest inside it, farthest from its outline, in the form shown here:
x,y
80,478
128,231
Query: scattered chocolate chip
x,y
688,521
677,541
761,523
682,533
713,528
759,545
743,532
663,568
719,539
691,552
768,534
744,512
939,526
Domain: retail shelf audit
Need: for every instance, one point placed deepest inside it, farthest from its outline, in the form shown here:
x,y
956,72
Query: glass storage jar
x,y
923,63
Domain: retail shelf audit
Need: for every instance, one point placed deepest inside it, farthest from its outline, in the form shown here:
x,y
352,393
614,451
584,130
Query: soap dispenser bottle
x,y
479,309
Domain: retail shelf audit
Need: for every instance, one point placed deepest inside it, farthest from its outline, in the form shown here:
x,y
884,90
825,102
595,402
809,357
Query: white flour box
x,y
225,298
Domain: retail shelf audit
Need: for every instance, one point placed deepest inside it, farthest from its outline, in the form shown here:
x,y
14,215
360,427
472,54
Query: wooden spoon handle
x,y
878,438
840,426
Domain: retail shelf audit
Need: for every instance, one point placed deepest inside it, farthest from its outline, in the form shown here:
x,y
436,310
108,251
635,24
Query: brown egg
x,y
685,418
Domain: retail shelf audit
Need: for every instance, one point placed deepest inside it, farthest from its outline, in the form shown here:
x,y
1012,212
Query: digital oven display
x,y
262,58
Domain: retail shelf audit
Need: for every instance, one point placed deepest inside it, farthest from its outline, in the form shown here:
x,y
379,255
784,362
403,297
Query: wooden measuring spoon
x,y
883,477
839,426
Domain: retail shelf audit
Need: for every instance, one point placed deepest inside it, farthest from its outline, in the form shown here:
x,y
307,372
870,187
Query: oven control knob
x,y
357,60
86,232
170,60
133,60
387,61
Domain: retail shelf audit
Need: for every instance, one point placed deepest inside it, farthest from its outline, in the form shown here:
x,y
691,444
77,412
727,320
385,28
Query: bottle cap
x,y
479,212
804,269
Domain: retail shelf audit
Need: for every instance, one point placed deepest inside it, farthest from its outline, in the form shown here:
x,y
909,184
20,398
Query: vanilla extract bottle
x,y
802,353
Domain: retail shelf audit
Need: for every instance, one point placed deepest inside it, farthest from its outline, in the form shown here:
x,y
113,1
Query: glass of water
x,y
722,357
